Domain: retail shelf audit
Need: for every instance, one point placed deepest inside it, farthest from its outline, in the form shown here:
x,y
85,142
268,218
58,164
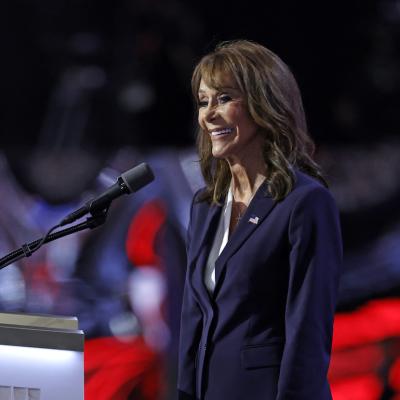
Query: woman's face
x,y
223,115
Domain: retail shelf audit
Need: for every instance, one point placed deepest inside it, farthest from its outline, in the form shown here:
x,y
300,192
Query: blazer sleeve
x,y
190,333
315,260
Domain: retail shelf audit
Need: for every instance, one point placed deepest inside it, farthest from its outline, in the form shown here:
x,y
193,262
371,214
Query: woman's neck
x,y
246,179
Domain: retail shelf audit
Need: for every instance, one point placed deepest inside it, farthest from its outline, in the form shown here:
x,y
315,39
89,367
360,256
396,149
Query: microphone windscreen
x,y
137,177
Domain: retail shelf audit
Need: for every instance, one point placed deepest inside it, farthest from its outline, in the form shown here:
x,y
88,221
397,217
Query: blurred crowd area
x,y
90,89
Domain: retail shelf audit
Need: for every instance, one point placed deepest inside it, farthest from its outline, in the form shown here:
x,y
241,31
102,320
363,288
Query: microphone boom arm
x,y
90,223
129,182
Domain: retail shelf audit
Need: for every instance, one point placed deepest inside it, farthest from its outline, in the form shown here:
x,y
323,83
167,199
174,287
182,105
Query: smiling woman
x,y
263,245
247,73
223,114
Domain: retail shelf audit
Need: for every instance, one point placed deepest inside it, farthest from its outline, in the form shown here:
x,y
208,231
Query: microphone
x,y
129,182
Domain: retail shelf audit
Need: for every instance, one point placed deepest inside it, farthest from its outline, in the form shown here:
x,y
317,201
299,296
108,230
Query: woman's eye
x,y
202,103
224,98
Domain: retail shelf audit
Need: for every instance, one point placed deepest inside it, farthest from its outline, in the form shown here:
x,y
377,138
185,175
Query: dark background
x,y
90,88
345,57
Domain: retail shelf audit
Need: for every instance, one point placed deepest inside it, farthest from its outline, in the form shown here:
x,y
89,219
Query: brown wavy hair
x,y
273,101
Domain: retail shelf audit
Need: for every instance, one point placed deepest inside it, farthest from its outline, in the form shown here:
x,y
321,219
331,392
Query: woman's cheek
x,y
201,120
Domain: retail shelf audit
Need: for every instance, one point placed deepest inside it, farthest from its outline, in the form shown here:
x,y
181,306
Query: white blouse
x,y
220,240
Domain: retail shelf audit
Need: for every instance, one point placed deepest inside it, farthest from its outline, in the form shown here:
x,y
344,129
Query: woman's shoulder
x,y
198,194
198,202
310,196
308,191
306,184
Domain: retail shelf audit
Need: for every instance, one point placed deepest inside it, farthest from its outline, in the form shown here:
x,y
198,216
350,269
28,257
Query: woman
x,y
264,245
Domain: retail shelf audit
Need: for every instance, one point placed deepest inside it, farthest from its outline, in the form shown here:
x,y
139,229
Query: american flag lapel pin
x,y
254,219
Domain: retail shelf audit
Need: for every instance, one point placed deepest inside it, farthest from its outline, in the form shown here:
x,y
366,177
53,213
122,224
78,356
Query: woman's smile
x,y
221,132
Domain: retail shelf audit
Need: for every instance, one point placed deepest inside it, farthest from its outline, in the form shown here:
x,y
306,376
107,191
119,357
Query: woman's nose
x,y
210,112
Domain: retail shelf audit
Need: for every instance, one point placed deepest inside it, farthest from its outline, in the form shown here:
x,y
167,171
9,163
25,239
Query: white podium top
x,y
39,320
43,331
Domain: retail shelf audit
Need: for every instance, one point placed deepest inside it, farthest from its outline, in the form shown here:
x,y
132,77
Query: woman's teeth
x,y
221,132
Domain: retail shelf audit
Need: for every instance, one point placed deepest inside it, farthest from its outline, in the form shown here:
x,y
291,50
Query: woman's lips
x,y
220,132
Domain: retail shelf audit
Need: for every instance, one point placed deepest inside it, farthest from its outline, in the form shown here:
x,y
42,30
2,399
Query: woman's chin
x,y
218,152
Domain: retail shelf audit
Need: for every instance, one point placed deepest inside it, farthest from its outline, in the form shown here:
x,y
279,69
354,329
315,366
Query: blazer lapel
x,y
207,228
201,249
258,209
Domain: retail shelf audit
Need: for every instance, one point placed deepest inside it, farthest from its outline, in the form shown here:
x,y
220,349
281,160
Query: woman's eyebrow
x,y
220,89
229,88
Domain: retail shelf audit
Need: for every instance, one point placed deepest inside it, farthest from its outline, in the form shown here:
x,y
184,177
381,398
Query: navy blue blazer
x,y
266,331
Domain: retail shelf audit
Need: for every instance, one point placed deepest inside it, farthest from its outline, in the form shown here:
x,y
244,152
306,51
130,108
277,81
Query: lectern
x,y
41,357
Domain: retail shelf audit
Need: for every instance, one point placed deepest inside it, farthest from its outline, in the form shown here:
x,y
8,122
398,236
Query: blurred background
x,y
91,88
